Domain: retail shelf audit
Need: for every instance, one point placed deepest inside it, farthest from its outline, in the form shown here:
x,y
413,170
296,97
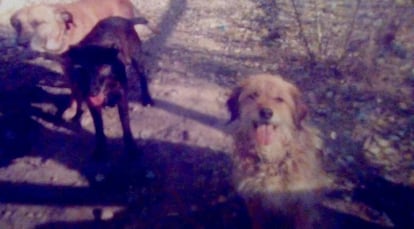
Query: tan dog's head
x,y
42,27
265,103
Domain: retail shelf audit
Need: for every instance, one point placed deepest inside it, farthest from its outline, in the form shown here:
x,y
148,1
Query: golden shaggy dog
x,y
276,160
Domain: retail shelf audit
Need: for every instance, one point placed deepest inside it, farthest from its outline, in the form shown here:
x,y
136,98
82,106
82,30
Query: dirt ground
x,y
353,60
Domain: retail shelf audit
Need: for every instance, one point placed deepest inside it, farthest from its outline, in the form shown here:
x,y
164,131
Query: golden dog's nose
x,y
266,113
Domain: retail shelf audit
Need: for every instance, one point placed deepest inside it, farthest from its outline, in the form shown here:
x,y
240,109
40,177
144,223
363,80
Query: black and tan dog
x,y
114,33
119,33
98,77
96,62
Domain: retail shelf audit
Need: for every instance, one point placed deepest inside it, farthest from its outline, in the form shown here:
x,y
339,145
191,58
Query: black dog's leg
x,y
129,142
100,150
146,98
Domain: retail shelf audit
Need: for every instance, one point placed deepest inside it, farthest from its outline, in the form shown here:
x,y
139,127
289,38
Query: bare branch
x,y
301,33
318,6
350,31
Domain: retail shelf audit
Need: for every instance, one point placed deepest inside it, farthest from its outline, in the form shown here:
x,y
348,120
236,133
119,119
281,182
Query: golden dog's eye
x,y
253,96
35,23
279,99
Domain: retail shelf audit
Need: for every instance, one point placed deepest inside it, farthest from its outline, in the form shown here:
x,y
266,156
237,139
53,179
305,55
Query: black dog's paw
x,y
147,101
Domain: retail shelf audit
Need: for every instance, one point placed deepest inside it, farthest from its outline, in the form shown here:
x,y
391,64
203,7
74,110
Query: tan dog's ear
x,y
301,110
233,104
67,18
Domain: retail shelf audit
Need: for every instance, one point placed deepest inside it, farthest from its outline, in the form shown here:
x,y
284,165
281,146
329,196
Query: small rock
x,y
348,199
402,133
329,94
30,215
333,135
221,199
391,119
107,214
403,106
379,100
53,179
150,175
394,138
383,143
374,149
349,158
381,123
173,213
380,61
355,105
368,142
99,177
362,116
38,215
322,110
194,208
389,151
7,214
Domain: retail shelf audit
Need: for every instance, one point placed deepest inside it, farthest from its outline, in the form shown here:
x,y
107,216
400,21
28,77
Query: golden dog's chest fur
x,y
277,173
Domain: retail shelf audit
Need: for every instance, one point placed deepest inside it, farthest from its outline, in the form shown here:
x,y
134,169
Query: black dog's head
x,y
97,72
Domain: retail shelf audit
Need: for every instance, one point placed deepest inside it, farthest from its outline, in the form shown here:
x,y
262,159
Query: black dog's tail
x,y
139,20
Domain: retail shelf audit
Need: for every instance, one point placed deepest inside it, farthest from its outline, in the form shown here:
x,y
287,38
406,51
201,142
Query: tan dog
x,y
53,28
276,160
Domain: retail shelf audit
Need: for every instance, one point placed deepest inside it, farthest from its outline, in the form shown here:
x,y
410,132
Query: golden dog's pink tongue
x,y
97,100
264,134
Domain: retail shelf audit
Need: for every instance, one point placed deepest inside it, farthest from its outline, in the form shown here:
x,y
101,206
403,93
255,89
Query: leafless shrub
x,y
348,34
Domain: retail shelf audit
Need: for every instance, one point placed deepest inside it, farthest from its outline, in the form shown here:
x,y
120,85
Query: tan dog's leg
x,y
71,111
74,111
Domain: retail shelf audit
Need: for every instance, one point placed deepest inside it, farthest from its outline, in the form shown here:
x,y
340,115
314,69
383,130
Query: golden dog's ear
x,y
301,110
67,18
233,104
15,22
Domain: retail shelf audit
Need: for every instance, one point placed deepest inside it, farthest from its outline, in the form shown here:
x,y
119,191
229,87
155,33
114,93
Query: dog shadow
x,y
170,186
208,120
165,179
169,20
200,212
396,200
20,97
